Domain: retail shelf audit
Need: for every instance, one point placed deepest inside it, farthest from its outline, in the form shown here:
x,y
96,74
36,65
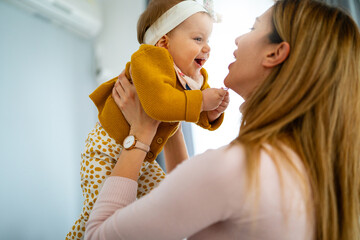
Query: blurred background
x,y
53,54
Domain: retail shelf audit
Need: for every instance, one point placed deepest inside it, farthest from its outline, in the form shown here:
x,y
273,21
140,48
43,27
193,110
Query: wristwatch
x,y
131,142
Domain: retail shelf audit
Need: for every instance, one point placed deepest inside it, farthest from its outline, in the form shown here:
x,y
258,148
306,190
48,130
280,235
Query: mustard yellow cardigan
x,y
161,95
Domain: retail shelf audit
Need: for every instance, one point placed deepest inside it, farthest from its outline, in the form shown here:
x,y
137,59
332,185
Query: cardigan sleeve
x,y
155,80
204,122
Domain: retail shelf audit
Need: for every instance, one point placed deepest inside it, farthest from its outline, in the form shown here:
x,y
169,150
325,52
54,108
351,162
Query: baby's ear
x,y
163,42
277,54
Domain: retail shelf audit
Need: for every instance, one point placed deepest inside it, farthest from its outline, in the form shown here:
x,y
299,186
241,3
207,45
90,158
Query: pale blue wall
x,y
46,74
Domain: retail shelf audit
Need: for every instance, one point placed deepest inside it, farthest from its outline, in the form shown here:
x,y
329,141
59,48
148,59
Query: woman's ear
x,y
277,54
163,42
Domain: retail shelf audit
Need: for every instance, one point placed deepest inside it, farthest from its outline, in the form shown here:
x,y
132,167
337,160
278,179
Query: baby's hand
x,y
212,98
214,114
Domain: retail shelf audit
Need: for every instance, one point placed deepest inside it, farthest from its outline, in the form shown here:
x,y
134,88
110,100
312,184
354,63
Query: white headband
x,y
170,19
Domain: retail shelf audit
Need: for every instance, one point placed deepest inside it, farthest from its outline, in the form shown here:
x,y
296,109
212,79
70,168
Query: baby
x,y
172,87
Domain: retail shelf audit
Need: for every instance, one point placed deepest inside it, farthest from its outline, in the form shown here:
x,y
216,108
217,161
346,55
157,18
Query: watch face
x,y
129,141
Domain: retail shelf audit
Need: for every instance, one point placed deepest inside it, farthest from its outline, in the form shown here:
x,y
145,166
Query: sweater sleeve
x,y
187,201
154,77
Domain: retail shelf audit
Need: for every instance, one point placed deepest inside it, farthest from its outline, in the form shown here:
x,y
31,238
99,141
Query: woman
x,y
293,171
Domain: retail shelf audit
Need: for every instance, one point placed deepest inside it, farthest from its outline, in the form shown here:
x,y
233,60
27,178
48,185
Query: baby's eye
x,y
252,28
199,39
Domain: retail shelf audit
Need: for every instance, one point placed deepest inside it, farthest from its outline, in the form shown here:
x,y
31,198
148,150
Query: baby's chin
x,y
197,75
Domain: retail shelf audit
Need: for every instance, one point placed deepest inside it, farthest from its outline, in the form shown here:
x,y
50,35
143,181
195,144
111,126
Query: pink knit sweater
x,y
205,198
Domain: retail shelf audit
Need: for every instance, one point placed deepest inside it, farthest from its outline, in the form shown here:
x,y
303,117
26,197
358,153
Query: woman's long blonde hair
x,y
312,103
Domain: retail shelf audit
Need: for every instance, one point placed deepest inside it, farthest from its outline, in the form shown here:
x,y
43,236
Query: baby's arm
x,y
153,74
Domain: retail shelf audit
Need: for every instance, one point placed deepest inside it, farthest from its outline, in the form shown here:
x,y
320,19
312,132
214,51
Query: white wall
x,y
46,75
237,18
117,40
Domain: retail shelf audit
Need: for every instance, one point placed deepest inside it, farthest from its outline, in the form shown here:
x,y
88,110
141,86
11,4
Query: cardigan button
x,y
149,155
159,140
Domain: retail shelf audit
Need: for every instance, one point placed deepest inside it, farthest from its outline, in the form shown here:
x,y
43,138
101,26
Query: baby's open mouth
x,y
200,61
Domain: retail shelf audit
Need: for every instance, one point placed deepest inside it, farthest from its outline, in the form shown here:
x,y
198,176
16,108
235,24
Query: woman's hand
x,y
142,127
126,98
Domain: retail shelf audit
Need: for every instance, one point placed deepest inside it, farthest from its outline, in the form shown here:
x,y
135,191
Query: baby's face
x,y
188,43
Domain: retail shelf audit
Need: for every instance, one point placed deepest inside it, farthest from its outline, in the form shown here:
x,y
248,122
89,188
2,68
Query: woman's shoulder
x,y
225,157
233,156
275,174
222,168
222,174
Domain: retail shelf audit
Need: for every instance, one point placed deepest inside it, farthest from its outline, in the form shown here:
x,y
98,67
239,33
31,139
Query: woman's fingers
x,y
124,93
127,88
117,98
119,86
118,92
126,98
227,98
